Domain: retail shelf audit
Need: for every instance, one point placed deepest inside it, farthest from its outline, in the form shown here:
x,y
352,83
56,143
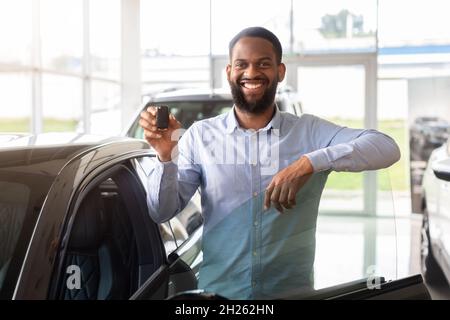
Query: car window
x,y
176,231
108,254
14,201
187,112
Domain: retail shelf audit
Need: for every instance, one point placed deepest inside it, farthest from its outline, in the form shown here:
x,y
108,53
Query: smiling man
x,y
261,173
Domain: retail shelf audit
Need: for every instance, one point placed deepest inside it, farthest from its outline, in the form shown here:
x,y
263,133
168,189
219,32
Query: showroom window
x,y
335,26
15,63
59,69
61,26
413,82
174,47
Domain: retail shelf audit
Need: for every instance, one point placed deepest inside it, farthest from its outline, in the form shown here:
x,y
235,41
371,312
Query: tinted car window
x,y
21,197
180,227
187,112
14,199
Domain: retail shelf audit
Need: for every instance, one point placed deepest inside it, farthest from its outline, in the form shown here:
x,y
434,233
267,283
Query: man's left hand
x,y
284,186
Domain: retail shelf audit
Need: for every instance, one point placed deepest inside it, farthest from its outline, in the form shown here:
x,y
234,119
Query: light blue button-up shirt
x,y
249,253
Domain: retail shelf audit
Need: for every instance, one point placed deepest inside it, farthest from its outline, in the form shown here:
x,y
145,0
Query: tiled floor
x,y
352,248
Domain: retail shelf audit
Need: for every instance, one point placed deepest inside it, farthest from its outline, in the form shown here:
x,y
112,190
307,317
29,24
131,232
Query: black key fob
x,y
162,117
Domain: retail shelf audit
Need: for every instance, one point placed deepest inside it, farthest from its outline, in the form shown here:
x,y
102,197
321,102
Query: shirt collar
x,y
232,123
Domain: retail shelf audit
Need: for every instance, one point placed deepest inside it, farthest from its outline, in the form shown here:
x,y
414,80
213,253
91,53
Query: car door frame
x,y
146,232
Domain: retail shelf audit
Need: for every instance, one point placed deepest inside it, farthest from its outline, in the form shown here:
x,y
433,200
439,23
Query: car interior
x,y
109,243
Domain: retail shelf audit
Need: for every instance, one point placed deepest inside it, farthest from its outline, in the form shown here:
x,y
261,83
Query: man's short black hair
x,y
258,32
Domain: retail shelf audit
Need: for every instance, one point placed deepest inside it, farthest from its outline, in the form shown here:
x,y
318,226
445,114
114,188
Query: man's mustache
x,y
255,78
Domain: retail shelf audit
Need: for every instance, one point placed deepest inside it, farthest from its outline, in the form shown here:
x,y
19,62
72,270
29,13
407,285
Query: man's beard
x,y
257,107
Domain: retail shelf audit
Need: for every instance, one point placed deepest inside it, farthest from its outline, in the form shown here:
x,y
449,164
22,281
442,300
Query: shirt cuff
x,y
336,157
319,160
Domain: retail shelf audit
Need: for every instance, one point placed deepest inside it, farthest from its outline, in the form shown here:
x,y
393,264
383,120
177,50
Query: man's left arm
x,y
345,149
355,150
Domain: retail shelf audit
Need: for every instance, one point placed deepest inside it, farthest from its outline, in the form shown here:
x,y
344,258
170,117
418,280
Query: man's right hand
x,y
160,140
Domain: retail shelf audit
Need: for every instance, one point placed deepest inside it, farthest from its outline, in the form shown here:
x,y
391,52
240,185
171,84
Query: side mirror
x,y
441,169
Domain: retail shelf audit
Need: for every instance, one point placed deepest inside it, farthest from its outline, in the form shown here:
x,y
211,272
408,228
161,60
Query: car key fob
x,y
162,117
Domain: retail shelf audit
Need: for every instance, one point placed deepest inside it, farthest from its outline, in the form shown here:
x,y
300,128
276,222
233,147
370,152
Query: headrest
x,y
87,230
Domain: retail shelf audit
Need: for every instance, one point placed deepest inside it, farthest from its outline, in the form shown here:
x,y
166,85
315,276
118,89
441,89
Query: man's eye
x,y
264,64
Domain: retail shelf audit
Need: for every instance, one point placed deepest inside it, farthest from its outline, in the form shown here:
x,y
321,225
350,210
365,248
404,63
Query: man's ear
x,y
228,70
281,72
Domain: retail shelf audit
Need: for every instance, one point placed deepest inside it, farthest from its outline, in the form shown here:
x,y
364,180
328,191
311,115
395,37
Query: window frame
x,y
153,236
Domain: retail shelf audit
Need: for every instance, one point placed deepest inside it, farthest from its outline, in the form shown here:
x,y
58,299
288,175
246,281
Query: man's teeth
x,y
252,86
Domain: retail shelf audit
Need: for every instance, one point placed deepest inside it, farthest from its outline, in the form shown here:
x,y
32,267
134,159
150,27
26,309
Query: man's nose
x,y
252,71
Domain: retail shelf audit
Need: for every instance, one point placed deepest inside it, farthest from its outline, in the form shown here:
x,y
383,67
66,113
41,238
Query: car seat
x,y
91,247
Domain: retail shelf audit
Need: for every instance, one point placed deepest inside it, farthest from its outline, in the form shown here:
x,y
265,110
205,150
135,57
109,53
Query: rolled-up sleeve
x,y
353,150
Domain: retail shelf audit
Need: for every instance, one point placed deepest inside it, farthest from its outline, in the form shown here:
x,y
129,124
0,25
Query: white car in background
x,y
190,105
435,251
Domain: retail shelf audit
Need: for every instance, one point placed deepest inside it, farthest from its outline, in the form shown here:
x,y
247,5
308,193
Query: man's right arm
x,y
174,180
173,183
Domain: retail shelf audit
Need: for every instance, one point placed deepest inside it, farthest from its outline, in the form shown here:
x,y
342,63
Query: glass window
x,y
15,101
105,38
327,25
271,15
175,27
62,35
342,104
183,224
61,102
174,44
14,199
105,115
162,72
105,95
15,32
404,22
333,235
393,120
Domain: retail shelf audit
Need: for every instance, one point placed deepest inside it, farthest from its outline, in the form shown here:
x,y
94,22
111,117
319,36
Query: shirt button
x,y
254,283
255,253
255,194
255,223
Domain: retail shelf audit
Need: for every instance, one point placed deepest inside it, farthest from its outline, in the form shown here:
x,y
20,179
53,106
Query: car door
x,y
110,245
